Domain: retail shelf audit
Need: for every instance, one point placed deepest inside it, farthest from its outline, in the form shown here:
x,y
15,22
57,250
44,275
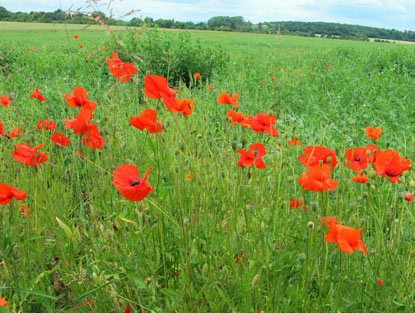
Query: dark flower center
x,y
357,159
135,182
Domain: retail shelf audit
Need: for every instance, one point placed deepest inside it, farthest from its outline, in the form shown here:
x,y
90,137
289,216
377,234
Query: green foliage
x,y
175,56
225,240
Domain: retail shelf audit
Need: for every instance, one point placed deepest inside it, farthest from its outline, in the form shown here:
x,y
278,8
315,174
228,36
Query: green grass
x,y
175,251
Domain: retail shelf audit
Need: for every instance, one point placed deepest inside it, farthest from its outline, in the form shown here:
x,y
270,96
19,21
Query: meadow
x,y
213,236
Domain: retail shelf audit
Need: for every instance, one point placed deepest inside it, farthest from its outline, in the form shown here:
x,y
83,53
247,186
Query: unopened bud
x,y
314,205
372,187
411,183
205,270
372,174
310,225
256,280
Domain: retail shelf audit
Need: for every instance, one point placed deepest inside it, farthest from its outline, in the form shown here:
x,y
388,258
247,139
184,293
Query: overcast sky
x,y
398,14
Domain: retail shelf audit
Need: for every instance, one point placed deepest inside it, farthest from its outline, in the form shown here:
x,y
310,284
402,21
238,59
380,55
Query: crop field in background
x,y
213,236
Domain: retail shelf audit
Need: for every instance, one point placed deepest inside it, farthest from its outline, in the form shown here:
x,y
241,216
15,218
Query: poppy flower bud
x,y
199,136
364,194
186,221
329,159
205,270
291,178
256,280
310,225
411,183
372,174
372,187
240,146
314,205
321,162
301,256
234,144
408,196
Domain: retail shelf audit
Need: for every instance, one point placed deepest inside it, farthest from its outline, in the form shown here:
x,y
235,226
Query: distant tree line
x,y
219,23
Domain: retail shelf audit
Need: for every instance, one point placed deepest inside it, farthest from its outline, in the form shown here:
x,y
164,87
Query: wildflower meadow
x,y
167,171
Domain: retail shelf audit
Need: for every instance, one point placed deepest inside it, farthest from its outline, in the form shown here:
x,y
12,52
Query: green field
x,y
213,237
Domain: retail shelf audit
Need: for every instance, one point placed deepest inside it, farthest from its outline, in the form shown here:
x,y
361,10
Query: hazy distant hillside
x,y
221,23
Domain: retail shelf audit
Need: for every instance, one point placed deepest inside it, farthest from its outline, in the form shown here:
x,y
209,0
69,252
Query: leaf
x,y
127,220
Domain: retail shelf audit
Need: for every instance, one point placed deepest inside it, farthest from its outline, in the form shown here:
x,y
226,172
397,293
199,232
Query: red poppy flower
x,y
121,70
184,106
210,87
379,282
46,124
317,178
7,193
127,309
5,101
132,187
261,83
236,117
155,87
390,163
146,120
373,152
75,36
359,178
80,123
316,153
224,98
3,302
91,138
373,132
253,156
36,94
409,197
296,203
60,139
79,99
294,142
14,133
328,64
328,221
24,210
263,122
81,46
357,158
29,156
347,238
197,75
